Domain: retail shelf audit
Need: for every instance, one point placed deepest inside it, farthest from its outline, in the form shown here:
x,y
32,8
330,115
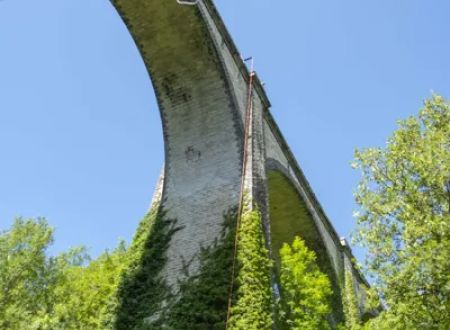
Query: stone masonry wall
x,y
201,131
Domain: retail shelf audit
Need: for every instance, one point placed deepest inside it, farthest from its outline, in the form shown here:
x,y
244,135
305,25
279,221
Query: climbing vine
x,y
203,297
252,297
350,303
142,291
144,301
202,302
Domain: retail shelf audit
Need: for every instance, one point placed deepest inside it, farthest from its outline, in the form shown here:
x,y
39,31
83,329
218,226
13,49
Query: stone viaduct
x,y
202,86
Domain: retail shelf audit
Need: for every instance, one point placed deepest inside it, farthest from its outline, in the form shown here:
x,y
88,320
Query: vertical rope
x,y
247,126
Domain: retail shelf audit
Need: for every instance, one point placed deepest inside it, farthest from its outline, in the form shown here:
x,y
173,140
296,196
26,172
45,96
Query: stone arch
x,y
289,216
201,119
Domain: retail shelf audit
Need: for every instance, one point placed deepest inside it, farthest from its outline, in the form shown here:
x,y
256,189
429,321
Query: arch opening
x,y
289,217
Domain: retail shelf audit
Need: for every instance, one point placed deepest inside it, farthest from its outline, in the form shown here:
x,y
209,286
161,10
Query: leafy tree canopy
x,y
68,291
305,290
404,219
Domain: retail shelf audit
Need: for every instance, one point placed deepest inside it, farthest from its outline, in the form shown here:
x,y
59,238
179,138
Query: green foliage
x,y
305,290
289,216
203,298
404,221
123,289
81,300
25,271
142,291
350,302
41,292
252,300
252,295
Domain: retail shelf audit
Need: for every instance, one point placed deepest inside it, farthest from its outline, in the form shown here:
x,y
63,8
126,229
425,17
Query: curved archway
x,y
289,217
201,114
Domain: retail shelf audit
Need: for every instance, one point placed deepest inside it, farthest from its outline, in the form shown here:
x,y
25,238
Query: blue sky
x,y
80,134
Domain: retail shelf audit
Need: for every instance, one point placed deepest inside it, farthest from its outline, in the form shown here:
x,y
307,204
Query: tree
x,y
25,271
82,299
305,290
404,219
68,291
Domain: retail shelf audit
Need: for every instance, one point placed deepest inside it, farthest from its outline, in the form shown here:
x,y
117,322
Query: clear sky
x,y
80,133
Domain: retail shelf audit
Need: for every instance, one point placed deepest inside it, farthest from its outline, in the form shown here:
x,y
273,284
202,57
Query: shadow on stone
x,y
143,292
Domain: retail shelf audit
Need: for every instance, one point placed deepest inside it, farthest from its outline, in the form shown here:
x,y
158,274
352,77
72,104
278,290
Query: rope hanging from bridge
x,y
247,131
